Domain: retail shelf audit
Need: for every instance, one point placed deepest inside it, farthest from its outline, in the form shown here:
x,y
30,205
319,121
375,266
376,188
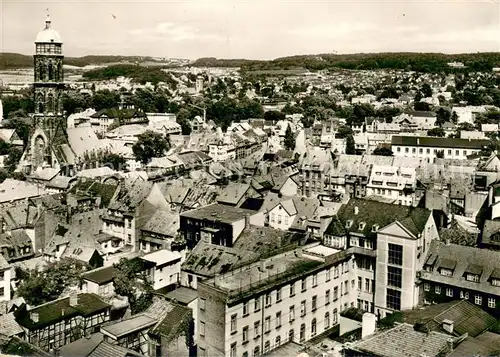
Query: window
x,y
304,285
393,299
203,301
360,283
336,272
267,346
256,351
245,308
233,323
428,151
313,327
302,336
346,287
335,293
394,276
315,280
278,295
291,314
291,335
464,295
314,301
328,273
478,299
449,152
256,329
367,285
303,308
278,341
437,289
472,277
334,316
292,289
491,303
278,319
257,305
395,254
267,324
202,329
449,292
245,334
427,287
327,297
233,349
457,152
268,300
406,150
245,354
495,282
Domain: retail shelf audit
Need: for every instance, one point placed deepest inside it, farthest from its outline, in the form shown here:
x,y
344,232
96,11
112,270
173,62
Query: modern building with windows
x,y
453,272
388,243
292,296
427,148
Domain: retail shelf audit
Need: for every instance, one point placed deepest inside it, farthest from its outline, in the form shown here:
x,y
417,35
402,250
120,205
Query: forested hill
x,y
16,60
423,62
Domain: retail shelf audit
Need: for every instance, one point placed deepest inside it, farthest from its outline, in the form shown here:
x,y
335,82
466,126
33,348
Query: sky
x,y
254,29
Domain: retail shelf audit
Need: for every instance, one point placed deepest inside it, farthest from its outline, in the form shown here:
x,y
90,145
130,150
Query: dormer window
x,y
446,267
473,273
375,228
361,226
495,277
349,223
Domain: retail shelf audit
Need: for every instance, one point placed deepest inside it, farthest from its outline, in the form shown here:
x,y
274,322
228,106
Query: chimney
x,y
490,196
262,265
62,312
448,326
447,243
34,317
356,210
450,344
368,324
73,300
247,221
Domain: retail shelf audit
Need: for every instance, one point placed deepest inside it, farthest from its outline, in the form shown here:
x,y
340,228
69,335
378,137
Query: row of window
x,y
327,323
478,299
428,151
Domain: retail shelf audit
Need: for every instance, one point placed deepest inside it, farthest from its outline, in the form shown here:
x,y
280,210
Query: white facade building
x,y
393,183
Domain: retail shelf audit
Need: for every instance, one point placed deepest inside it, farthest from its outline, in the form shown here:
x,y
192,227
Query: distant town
x,y
312,206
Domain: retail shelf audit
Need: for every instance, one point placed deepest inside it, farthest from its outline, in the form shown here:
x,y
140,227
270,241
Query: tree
x,y
131,281
383,151
440,154
442,116
274,115
439,132
13,159
38,287
22,126
289,139
114,161
150,144
454,117
343,132
105,99
422,106
426,90
350,146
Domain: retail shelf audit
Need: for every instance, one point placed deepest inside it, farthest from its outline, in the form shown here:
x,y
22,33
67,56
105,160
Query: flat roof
x,y
219,212
161,257
428,141
125,327
322,250
183,295
247,278
100,275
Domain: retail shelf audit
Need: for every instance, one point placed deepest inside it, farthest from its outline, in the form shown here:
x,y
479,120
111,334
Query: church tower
x,y
48,137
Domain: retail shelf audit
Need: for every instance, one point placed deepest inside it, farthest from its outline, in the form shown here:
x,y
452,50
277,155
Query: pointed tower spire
x,y
47,20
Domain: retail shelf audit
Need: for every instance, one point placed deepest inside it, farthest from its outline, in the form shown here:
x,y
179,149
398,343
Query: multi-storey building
x,y
63,321
397,184
5,279
454,272
389,244
293,296
217,224
313,169
427,148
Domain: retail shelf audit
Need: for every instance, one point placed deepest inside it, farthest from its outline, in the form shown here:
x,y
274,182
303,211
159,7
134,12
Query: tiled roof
x,y
462,257
130,195
403,340
59,310
9,326
163,222
172,321
486,344
378,213
105,349
218,212
100,275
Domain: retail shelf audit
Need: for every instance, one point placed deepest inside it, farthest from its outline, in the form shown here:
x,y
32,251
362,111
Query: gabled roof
x,y
100,275
172,322
130,195
377,213
163,222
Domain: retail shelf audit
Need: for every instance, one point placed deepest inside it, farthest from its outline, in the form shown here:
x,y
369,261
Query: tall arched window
x,y
313,327
291,334
50,103
51,71
40,108
302,336
278,341
327,320
256,351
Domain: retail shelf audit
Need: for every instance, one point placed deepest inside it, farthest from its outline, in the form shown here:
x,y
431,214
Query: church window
x,y
51,71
